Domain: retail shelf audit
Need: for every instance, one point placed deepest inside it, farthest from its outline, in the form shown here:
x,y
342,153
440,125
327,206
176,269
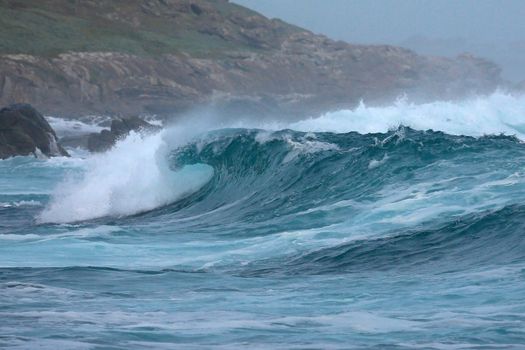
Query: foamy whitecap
x,y
65,127
494,114
133,177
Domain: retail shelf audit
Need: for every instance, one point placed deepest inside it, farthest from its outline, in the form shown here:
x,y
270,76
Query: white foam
x,y
14,237
306,147
65,127
133,177
30,203
374,163
494,114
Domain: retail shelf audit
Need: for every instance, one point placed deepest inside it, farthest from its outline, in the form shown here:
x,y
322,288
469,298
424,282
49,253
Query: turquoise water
x,y
256,238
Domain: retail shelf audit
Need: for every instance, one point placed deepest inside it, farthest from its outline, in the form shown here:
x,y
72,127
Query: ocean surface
x,y
400,227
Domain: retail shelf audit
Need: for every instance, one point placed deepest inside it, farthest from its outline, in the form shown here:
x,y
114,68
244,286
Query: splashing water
x,y
332,232
498,113
132,177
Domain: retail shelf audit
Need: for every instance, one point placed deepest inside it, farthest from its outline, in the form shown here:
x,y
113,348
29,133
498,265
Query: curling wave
x,y
345,229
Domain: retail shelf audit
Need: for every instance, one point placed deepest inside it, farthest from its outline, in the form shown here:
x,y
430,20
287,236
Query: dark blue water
x,y
285,239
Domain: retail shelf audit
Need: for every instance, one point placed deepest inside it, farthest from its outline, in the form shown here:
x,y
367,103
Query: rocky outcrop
x,y
24,131
120,127
233,59
295,80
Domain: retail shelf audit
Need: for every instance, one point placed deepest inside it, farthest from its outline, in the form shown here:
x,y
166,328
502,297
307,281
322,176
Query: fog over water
x,y
493,29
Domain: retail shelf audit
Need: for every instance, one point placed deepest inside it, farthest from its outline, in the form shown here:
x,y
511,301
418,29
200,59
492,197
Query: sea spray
x,y
402,239
134,176
491,115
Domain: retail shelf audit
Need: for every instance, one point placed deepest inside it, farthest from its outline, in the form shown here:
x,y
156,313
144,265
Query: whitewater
x,y
397,227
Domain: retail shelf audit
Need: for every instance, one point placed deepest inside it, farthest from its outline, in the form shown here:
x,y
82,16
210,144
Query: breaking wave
x,y
359,227
145,172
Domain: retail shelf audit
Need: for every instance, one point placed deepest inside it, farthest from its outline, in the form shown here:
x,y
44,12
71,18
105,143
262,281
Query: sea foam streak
x,y
134,176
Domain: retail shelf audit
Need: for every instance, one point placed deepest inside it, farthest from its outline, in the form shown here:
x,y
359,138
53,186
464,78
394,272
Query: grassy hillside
x,y
200,28
251,64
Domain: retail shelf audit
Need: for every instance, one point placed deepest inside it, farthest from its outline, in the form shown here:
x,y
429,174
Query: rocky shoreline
x,y
24,131
226,57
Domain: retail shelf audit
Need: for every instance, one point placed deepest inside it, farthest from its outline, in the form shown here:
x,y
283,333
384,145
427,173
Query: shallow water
x,y
400,238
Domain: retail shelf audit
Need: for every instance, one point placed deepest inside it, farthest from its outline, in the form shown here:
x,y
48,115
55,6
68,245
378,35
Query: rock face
x,y
99,142
24,131
167,56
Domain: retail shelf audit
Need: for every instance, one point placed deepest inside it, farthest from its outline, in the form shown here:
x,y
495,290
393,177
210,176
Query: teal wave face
x,y
404,239
369,183
484,239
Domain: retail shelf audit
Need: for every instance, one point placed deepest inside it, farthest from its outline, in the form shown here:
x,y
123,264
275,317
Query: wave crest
x,y
132,177
490,115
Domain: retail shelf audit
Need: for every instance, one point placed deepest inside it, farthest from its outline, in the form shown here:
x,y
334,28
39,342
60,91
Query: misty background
x,y
493,29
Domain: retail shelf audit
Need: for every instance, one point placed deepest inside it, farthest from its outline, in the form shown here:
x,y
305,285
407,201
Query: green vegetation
x,y
48,28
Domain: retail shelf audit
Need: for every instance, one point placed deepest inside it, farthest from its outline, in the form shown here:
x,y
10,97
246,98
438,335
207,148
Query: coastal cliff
x,y
71,57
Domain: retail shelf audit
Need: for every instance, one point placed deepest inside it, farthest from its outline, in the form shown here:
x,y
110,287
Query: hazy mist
x,y
493,29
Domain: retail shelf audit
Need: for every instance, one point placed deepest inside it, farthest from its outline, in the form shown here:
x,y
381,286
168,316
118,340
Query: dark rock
x,y
196,9
24,131
100,142
123,126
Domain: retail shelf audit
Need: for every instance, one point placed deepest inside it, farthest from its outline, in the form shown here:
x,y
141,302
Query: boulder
x,y
24,131
120,127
